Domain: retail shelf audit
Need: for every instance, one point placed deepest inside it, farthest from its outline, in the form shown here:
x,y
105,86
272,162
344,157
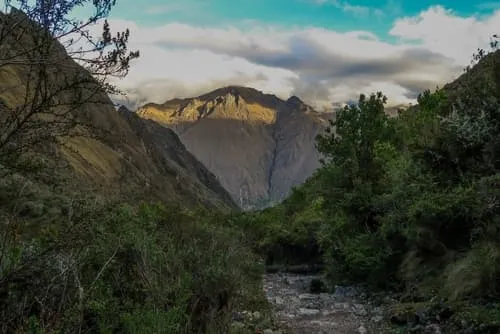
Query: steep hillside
x,y
110,151
257,145
484,70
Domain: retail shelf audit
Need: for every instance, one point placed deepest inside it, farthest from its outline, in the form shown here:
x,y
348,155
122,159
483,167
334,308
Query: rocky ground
x,y
299,305
299,311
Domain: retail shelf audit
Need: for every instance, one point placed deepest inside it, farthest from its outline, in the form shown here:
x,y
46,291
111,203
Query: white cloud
x,y
319,65
155,76
442,31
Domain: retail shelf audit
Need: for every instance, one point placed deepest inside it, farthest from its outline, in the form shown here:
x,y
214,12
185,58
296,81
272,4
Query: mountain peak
x,y
297,104
230,90
294,100
250,95
257,144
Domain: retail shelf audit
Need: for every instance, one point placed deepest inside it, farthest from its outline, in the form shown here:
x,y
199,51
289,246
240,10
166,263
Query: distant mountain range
x,y
257,145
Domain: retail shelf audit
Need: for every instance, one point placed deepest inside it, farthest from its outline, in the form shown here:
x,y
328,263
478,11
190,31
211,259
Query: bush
x,y
128,270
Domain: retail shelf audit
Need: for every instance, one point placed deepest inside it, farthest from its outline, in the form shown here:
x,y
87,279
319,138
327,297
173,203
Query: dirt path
x,y
300,312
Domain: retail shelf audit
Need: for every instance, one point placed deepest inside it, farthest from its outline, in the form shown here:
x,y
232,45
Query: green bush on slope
x,y
410,202
123,269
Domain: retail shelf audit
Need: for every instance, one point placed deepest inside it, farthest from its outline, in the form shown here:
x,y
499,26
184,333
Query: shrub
x,y
128,270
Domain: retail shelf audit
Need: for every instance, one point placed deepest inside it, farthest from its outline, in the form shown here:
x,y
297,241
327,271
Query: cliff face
x,y
257,145
112,152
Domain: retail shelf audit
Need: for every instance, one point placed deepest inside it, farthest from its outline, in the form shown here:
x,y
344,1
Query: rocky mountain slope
x,y
113,152
257,145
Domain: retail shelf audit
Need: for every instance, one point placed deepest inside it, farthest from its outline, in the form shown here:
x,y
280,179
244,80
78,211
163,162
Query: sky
x,y
326,52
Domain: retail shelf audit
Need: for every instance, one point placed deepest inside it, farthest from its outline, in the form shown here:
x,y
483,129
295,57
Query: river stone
x,y
307,296
308,311
342,312
359,310
362,330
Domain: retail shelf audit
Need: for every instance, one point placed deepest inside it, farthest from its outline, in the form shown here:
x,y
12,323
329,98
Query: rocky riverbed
x,y
298,311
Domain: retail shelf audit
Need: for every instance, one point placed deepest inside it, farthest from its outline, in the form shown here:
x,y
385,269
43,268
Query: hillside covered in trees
x,y
407,204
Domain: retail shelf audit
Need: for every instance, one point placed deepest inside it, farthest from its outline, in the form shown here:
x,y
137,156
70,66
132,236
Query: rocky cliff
x,y
257,145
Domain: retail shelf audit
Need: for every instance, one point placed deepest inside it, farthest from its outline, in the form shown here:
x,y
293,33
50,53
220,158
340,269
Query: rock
x,y
341,306
360,310
362,330
307,296
432,329
308,311
323,324
298,309
342,291
378,311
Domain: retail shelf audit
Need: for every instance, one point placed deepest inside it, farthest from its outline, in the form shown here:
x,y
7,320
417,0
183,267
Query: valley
x,y
236,211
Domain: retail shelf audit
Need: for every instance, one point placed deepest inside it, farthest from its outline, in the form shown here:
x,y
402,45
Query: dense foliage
x,y
408,203
72,261
77,266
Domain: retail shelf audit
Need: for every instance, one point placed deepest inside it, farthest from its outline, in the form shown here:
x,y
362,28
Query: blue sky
x,y
324,51
373,15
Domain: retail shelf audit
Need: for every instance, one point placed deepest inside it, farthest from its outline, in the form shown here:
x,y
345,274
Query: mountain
x,y
112,152
485,73
257,145
142,160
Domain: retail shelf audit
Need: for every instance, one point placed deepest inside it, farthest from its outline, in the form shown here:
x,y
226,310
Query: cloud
x,y
356,10
390,8
442,31
321,66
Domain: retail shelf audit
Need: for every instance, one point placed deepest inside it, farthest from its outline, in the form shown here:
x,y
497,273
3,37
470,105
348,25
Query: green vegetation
x,y
408,204
69,266
75,259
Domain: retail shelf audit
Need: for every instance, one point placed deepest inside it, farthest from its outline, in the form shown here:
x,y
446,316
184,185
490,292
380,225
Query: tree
x,y
350,141
43,90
